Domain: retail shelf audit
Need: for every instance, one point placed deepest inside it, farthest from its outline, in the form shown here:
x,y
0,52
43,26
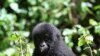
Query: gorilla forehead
x,y
45,28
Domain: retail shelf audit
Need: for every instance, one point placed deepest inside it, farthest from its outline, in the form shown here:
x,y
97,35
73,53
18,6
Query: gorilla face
x,y
41,41
48,41
44,36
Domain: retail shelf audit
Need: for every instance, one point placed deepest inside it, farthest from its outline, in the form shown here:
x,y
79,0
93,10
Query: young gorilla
x,y
48,41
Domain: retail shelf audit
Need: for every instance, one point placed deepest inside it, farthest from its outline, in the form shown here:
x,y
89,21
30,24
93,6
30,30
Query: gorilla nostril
x,y
42,45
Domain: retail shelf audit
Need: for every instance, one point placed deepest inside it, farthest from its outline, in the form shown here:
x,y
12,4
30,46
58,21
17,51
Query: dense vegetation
x,y
78,20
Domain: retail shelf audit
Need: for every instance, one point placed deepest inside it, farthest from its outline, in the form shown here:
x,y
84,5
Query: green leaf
x,y
97,7
97,29
85,7
67,32
32,2
67,40
15,7
81,41
81,30
89,39
13,37
92,22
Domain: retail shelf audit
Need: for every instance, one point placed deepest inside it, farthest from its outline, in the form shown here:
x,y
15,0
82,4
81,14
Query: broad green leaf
x,y
67,32
85,7
67,40
92,22
97,7
15,7
13,37
10,51
83,31
89,39
97,29
32,2
81,41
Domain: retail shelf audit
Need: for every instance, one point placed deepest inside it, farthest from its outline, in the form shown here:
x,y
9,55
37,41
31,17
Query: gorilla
x,y
48,41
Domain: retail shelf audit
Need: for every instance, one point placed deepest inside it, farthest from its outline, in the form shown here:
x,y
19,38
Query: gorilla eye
x,y
46,35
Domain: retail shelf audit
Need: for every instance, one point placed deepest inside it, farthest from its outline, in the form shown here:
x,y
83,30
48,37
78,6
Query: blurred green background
x,y
78,20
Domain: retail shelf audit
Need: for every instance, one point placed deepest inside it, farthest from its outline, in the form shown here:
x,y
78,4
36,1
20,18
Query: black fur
x,y
55,46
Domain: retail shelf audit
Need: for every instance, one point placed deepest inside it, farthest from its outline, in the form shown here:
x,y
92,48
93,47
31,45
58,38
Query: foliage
x,y
79,21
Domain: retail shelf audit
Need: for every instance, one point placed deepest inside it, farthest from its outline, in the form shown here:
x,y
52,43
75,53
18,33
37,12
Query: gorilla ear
x,y
58,37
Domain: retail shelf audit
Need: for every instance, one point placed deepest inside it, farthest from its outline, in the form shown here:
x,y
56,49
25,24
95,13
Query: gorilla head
x,y
48,41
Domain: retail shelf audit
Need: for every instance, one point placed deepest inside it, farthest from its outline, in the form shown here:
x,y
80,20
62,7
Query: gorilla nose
x,y
43,46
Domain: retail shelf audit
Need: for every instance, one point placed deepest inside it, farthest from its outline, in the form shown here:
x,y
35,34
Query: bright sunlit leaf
x,y
81,41
14,6
89,39
97,29
92,22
